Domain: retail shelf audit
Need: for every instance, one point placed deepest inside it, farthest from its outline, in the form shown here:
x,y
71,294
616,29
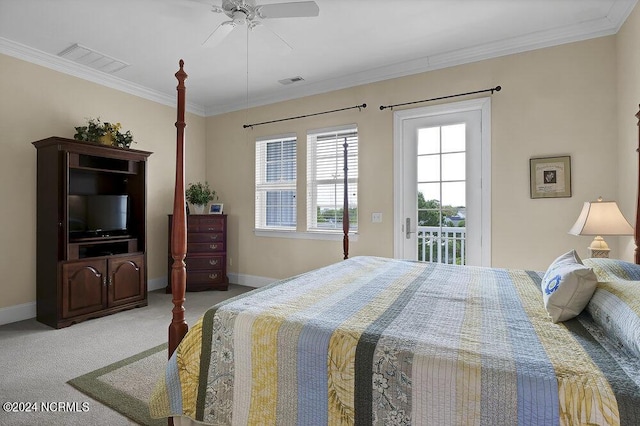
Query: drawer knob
x,y
213,246
213,276
213,262
213,237
211,229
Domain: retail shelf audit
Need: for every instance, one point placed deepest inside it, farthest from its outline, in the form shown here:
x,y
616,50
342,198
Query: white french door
x,y
442,183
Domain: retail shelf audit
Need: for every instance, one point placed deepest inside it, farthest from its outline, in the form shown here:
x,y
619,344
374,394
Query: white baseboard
x,y
250,280
17,313
28,310
157,284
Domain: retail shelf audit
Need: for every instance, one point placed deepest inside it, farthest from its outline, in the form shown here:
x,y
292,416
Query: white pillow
x,y
567,287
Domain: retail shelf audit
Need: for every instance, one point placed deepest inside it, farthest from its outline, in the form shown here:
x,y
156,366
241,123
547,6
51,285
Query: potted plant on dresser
x,y
199,195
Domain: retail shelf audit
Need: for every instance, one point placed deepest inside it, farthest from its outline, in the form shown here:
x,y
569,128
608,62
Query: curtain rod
x,y
496,89
304,116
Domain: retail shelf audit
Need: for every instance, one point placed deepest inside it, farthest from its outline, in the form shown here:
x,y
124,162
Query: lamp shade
x,y
601,218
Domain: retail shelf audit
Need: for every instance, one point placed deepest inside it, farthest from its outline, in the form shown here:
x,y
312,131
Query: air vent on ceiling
x,y
291,80
93,59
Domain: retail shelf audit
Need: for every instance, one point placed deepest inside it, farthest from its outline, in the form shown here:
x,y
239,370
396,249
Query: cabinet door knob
x,y
213,262
213,276
104,281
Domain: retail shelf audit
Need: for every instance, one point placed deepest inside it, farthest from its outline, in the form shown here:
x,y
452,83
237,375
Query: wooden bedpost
x,y
178,327
345,203
637,231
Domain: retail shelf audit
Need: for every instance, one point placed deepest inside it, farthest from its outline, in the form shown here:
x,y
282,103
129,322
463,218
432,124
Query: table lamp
x,y
601,218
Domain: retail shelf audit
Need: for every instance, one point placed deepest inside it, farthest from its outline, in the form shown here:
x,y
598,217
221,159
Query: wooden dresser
x,y
206,252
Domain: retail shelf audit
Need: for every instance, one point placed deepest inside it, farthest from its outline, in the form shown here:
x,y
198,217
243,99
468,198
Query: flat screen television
x,y
98,215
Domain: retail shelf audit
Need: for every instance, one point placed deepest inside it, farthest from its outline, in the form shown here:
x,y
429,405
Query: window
x,y
276,183
325,178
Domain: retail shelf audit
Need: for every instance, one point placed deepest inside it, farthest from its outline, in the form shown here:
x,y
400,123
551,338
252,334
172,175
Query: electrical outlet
x,y
376,217
230,262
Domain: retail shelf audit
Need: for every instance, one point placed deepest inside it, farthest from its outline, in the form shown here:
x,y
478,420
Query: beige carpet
x,y
126,385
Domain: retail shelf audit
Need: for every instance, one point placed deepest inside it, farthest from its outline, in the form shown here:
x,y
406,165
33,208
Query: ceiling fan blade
x,y
219,34
298,9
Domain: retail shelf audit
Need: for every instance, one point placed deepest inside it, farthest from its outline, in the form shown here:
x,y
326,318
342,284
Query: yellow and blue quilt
x,y
380,341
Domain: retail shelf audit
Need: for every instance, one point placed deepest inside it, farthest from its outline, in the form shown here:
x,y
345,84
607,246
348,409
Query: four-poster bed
x,y
381,341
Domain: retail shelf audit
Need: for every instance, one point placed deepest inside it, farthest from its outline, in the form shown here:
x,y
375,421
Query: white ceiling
x,y
351,42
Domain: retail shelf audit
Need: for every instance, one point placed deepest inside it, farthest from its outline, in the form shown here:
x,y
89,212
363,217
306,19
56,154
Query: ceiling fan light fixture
x,y
248,12
240,17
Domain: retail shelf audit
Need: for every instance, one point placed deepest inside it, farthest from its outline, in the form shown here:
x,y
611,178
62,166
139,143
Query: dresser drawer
x,y
205,277
194,237
204,247
206,259
205,224
204,262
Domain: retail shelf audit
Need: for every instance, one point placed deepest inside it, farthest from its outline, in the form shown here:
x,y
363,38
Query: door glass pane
x,y
429,191
453,194
428,168
453,138
453,166
429,140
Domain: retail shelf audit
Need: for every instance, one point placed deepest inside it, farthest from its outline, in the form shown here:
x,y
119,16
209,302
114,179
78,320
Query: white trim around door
x,y
401,121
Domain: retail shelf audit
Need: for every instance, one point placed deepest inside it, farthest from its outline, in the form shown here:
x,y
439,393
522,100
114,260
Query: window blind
x,y
325,178
275,206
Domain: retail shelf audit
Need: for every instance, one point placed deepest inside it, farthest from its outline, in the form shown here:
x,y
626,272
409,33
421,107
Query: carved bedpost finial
x,y
178,327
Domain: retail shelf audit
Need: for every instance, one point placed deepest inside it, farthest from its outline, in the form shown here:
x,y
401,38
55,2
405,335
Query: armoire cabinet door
x,y
83,287
126,281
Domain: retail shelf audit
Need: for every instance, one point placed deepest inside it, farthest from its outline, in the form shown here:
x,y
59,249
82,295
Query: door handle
x,y
407,228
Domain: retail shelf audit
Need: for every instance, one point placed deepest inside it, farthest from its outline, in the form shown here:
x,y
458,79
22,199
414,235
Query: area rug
x,y
125,386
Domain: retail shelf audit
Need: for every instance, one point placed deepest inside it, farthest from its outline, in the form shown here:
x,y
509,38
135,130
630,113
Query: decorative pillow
x,y
615,305
567,287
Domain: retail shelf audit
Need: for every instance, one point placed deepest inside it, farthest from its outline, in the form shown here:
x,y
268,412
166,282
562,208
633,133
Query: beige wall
x,y
555,101
628,90
36,103
577,99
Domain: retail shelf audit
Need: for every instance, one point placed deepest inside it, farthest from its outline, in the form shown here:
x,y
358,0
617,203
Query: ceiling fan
x,y
247,12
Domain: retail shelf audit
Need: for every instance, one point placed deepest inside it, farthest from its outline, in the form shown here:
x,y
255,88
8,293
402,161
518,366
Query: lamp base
x,y
599,248
599,253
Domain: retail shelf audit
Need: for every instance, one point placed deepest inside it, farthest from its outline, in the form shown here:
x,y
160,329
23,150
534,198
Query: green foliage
x,y
199,194
123,140
95,130
335,215
431,214
92,132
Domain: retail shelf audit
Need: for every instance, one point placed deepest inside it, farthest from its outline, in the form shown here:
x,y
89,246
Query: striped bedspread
x,y
380,341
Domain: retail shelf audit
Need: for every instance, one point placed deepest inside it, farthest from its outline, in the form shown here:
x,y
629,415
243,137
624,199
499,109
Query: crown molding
x,y
65,66
586,30
605,26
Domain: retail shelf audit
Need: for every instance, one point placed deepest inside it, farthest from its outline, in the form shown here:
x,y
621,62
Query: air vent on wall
x,y
291,80
93,59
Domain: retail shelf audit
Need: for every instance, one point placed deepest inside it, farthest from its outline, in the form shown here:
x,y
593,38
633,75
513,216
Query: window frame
x,y
263,186
313,182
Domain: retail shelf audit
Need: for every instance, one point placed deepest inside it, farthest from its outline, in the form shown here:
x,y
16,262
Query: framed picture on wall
x,y
215,208
550,177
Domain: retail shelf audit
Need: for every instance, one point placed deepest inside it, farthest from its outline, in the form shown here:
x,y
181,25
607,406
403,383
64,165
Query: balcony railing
x,y
442,245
